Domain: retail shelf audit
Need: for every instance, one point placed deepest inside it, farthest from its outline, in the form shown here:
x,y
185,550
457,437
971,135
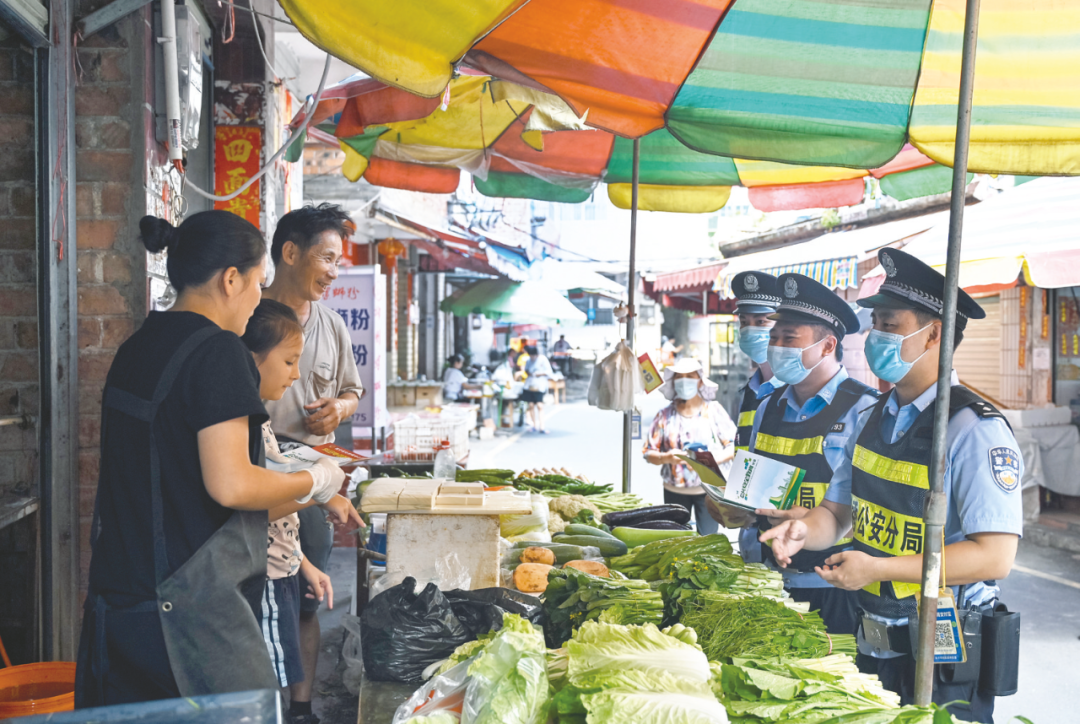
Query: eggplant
x,y
661,525
634,518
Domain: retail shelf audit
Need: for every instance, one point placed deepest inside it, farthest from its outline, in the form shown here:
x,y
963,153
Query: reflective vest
x,y
745,422
802,444
890,483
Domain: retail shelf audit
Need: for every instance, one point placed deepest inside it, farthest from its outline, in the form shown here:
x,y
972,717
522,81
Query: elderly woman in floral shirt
x,y
692,417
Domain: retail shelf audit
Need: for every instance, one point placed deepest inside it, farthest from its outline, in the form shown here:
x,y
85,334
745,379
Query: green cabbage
x,y
652,707
508,678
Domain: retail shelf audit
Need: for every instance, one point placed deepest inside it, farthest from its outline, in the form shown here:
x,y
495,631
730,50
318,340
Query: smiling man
x,y
882,488
306,250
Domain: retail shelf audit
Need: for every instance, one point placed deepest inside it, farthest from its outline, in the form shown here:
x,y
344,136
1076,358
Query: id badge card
x,y
948,638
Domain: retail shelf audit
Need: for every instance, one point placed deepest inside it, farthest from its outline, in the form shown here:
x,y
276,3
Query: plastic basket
x,y
415,438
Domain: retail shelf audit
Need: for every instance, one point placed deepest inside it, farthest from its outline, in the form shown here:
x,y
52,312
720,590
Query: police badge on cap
x,y
755,293
911,283
808,301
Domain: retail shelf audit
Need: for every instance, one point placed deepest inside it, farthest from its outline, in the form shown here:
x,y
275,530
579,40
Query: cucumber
x,y
563,553
478,475
609,547
581,529
634,537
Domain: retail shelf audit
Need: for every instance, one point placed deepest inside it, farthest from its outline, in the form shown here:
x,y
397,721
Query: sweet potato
x,y
536,554
532,577
595,568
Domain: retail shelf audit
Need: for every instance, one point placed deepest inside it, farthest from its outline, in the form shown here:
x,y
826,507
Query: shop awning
x,y
699,279
570,277
1034,229
832,259
486,256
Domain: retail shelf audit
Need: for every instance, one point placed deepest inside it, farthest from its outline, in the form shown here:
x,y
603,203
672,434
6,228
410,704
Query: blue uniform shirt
x,y
762,387
835,447
977,501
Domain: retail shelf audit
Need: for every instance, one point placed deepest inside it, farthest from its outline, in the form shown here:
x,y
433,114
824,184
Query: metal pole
x,y
934,516
628,416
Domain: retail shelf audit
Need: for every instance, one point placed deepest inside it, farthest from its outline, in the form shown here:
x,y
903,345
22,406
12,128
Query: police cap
x,y
913,284
805,301
755,293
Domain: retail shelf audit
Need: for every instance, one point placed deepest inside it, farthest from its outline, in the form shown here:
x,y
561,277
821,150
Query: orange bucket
x,y
37,689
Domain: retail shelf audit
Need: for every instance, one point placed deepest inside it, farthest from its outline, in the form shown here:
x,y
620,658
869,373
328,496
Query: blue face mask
x,y
754,342
686,388
883,354
787,364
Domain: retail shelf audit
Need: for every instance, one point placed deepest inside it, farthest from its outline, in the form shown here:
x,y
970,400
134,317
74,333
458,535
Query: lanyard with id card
x,y
948,638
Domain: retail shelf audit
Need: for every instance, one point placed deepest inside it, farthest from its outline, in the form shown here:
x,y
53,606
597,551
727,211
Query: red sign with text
x,y
237,154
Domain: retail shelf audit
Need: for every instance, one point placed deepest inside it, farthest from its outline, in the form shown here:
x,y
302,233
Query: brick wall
x,y
110,157
18,268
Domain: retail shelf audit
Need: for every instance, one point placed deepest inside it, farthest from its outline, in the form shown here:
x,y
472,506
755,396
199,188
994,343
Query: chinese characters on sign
x,y
237,155
886,530
358,296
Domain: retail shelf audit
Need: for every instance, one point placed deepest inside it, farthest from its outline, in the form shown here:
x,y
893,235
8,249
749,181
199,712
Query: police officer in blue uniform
x,y
882,489
807,422
756,300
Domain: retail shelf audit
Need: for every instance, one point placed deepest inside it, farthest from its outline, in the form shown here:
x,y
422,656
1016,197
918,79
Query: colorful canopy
x,y
519,302
490,129
818,94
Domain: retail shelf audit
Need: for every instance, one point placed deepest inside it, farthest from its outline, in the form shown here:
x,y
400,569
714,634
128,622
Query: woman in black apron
x,y
179,531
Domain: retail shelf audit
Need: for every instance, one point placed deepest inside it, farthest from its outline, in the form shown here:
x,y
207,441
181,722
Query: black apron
x,y
212,637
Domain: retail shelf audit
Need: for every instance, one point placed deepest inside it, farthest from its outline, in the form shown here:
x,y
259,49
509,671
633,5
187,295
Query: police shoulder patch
x,y
1005,467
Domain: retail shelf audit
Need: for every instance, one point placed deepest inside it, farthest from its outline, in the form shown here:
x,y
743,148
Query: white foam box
x,y
1039,416
416,543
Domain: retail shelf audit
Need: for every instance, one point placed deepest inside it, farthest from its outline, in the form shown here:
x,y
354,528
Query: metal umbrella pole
x,y
628,416
936,507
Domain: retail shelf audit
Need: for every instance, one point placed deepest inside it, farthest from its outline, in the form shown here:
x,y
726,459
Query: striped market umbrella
x,y
798,100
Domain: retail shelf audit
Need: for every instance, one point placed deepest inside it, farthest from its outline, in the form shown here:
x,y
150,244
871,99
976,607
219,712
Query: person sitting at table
x,y
453,379
561,355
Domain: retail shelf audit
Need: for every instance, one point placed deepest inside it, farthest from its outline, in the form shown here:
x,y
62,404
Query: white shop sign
x,y
359,297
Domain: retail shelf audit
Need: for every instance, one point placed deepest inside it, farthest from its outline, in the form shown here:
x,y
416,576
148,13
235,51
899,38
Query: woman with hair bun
x,y
179,530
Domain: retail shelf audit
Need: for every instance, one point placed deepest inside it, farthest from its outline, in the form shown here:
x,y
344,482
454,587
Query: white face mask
x,y
686,388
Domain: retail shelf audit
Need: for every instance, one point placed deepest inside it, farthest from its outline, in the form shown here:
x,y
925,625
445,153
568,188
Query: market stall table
x,y
555,386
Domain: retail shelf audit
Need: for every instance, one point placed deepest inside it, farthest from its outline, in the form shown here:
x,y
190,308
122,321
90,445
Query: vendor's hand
x,y
326,413
319,585
729,517
342,512
849,570
788,539
776,517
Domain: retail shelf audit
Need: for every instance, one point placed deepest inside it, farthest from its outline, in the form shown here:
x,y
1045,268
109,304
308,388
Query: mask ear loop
x,y
815,344
931,324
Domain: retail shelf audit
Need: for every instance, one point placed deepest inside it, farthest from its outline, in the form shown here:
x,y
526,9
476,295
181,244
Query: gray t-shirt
x,y
327,369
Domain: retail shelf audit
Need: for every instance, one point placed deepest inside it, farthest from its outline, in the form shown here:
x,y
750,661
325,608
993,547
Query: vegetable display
x,y
646,561
636,674
634,537
758,627
574,597
630,518
683,578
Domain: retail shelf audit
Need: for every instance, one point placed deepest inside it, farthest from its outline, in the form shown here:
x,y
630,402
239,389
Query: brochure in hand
x,y
754,482
304,457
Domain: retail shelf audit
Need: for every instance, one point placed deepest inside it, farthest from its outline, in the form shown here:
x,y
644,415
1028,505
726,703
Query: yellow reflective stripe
x,y
895,471
747,418
810,495
873,588
742,447
903,590
886,530
788,446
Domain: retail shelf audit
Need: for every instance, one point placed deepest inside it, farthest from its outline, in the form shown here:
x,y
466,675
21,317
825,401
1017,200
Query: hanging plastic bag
x,y
531,527
352,654
402,632
615,380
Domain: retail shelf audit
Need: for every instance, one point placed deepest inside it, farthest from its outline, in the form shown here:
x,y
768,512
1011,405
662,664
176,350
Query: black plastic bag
x,y
402,632
482,610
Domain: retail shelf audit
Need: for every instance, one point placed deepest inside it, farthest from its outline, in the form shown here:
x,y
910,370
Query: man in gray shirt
x,y
306,250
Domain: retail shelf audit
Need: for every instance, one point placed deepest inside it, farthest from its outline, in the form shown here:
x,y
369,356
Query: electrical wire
x,y
259,42
280,152
286,21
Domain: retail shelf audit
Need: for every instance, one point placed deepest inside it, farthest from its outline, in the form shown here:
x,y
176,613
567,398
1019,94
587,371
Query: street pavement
x,y
1044,585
